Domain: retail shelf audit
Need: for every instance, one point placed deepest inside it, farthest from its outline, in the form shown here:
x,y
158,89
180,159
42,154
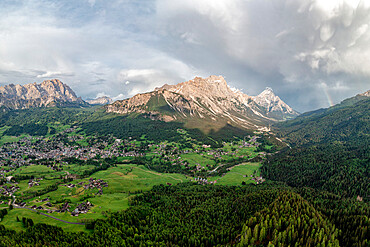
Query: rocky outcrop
x,y
366,94
47,93
100,101
274,106
209,99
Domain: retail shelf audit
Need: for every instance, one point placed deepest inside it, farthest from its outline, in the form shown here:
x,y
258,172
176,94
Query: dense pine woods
x,y
343,170
330,151
203,215
347,122
289,220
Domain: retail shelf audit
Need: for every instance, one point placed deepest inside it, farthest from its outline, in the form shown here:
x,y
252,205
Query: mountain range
x,y
47,93
207,102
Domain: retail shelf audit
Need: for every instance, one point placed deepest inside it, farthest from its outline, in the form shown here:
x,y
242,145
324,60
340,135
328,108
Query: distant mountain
x,y
48,93
100,101
274,106
206,101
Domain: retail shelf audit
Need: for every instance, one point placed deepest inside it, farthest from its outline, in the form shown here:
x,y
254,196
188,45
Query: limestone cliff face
x,y
47,93
366,94
100,101
273,105
204,98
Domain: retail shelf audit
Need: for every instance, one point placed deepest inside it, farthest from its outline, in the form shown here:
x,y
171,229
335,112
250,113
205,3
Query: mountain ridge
x,y
208,100
47,93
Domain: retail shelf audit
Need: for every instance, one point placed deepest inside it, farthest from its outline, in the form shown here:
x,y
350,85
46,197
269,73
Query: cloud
x,y
283,44
49,74
91,2
101,94
98,46
120,96
143,80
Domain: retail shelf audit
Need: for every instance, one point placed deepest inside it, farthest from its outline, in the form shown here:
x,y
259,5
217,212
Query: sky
x,y
313,53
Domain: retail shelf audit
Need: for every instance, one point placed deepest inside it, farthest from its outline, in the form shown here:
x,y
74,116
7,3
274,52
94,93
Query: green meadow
x,y
124,181
238,174
194,158
10,220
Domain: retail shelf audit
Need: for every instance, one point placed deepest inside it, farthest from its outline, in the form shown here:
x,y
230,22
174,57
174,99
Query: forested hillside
x,y
204,215
93,121
330,151
348,122
289,220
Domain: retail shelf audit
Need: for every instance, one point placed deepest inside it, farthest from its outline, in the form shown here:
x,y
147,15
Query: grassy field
x,y
24,188
194,158
7,139
10,220
124,181
128,178
238,174
36,170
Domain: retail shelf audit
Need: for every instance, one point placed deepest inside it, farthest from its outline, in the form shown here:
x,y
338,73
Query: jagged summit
x,y
267,90
208,99
100,101
273,104
47,93
366,94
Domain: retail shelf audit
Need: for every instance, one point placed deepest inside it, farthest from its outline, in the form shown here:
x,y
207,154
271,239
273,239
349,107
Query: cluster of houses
x,y
62,146
34,182
171,154
96,183
204,181
253,142
20,153
37,207
8,190
82,208
64,208
258,180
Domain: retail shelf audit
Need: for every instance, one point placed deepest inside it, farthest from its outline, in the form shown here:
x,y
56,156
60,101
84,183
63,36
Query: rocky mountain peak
x,y
209,99
212,86
100,101
47,93
268,90
273,104
366,94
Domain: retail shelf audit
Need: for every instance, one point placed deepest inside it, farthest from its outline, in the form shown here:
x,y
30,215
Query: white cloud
x,y
143,80
118,97
49,74
101,94
91,2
